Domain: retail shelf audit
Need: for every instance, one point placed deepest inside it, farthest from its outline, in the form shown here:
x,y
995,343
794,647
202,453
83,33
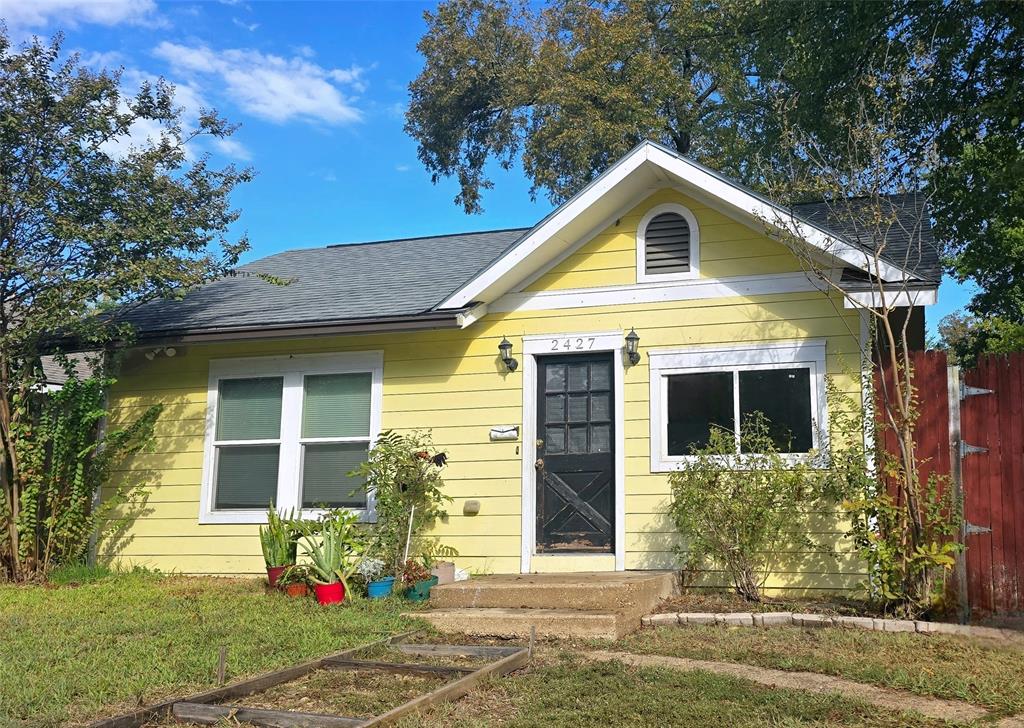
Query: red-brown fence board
x,y
992,481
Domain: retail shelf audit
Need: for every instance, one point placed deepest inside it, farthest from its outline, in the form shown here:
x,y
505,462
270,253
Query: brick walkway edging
x,y
795,619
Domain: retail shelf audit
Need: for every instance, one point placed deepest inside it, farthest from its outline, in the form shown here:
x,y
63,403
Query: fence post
x,y
956,477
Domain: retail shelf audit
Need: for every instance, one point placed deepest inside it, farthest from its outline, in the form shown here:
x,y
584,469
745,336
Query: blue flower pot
x,y
380,588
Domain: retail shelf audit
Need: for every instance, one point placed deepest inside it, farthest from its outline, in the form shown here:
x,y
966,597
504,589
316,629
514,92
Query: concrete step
x,y
632,592
516,623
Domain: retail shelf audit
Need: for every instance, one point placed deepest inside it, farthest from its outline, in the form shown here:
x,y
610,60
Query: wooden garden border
x,y
200,708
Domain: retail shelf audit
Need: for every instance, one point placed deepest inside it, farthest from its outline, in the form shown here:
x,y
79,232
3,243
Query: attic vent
x,y
667,244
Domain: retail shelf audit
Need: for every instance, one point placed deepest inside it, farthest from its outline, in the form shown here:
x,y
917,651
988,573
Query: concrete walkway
x,y
897,700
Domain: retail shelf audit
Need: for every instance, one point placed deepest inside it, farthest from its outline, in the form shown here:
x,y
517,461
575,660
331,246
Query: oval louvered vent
x,y
667,244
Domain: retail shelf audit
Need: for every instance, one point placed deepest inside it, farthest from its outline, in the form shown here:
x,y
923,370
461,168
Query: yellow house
x,y
565,368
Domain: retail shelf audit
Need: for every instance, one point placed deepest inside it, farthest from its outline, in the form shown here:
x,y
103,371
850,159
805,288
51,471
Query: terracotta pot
x,y
444,571
296,590
330,593
274,573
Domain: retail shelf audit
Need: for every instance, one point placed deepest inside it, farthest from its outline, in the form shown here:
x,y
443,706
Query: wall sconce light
x,y
166,351
505,349
632,344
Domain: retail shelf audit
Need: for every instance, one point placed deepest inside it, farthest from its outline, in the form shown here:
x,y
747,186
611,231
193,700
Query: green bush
x,y
738,512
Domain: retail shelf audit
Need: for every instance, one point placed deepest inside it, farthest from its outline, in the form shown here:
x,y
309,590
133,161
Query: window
x,y
288,430
696,390
667,244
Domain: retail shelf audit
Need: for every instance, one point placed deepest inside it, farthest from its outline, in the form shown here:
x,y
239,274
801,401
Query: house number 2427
x,y
578,343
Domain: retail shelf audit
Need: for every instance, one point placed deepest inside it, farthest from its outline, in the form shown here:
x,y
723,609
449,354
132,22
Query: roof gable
x,y
647,167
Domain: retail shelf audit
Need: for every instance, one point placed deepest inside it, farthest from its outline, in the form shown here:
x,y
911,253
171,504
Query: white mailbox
x,y
505,432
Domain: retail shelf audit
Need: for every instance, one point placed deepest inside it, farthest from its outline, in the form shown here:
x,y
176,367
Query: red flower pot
x,y
274,573
330,593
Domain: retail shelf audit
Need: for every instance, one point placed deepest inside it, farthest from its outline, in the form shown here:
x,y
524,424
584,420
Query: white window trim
x,y
570,343
293,369
642,276
808,353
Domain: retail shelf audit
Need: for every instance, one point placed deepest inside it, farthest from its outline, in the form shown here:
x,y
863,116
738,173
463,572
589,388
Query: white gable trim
x,y
756,209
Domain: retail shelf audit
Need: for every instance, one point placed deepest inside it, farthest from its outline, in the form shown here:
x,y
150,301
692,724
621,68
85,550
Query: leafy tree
x,y
91,217
966,336
574,85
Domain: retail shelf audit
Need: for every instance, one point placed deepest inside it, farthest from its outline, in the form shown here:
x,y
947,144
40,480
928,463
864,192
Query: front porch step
x,y
630,592
516,622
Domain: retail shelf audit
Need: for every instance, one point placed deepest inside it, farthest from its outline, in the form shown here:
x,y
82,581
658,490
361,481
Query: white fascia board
x,y
878,299
471,316
548,229
764,211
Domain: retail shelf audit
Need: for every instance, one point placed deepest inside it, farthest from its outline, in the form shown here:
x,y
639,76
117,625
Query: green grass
x,y
571,694
74,653
947,667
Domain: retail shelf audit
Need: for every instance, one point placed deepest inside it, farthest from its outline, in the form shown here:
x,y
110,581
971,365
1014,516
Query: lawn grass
x,y
563,692
948,667
69,654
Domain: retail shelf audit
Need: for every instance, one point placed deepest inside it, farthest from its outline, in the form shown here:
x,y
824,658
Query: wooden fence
x,y
971,429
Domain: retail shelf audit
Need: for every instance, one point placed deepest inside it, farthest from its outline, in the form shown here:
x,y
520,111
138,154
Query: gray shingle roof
x,y
390,278
909,241
410,277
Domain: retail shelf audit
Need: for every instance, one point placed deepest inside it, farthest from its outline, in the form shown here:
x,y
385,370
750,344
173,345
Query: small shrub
x,y
403,473
737,513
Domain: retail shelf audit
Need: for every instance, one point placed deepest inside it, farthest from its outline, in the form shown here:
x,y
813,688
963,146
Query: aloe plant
x,y
335,547
278,538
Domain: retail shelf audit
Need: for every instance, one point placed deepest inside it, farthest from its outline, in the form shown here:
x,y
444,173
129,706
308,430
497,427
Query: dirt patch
x,y
351,693
886,698
713,601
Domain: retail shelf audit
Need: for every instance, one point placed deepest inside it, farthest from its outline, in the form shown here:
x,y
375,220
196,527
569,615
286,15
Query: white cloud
x,y
401,167
232,148
36,13
190,99
272,87
245,26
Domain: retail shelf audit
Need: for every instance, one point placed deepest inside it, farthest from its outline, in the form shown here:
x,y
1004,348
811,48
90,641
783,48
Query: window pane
x,y
600,407
554,408
554,439
246,476
337,405
325,480
249,409
578,439
784,397
696,402
600,376
554,377
600,438
577,408
578,377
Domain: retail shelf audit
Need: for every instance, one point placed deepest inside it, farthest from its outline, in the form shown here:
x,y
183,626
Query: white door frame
x,y
571,343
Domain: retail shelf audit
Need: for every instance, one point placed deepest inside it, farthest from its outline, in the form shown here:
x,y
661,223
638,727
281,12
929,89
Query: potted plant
x,y
378,586
436,557
335,548
294,581
277,539
417,581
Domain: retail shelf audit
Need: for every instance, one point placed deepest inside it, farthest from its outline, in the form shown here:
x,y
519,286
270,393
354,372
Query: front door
x,y
575,463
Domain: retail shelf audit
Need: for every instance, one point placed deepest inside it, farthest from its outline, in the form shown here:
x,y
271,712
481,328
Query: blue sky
x,y
319,89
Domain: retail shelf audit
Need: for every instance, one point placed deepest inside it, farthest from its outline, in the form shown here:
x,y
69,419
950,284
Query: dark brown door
x,y
575,459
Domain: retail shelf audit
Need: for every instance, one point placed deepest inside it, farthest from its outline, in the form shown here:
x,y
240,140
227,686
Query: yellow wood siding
x,y
452,383
727,248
